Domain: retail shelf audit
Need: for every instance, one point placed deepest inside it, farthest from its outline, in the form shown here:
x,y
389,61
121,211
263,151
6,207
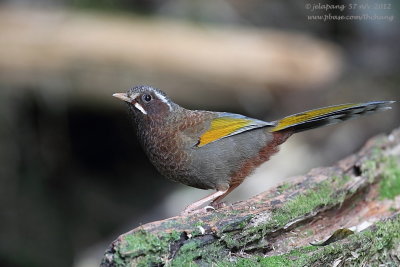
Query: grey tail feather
x,y
342,115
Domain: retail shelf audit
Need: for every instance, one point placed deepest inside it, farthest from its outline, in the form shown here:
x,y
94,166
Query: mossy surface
x,y
187,254
147,249
389,184
284,187
144,247
370,167
231,236
303,204
370,246
323,194
373,246
196,254
389,187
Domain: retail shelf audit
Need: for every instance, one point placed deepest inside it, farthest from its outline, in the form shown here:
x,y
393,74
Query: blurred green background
x,y
73,176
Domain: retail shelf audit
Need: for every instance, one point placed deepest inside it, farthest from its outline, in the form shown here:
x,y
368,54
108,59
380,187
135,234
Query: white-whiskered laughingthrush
x,y
218,150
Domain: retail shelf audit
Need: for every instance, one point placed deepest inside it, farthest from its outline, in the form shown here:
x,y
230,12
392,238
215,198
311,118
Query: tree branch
x,y
360,192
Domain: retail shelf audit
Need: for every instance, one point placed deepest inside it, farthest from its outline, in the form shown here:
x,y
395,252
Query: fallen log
x,y
360,195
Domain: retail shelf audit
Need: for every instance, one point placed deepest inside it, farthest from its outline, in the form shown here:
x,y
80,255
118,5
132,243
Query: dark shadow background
x,y
73,176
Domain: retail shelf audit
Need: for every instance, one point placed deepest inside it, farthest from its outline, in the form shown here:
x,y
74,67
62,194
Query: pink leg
x,y
216,201
202,201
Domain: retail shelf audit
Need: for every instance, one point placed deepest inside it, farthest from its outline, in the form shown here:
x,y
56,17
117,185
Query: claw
x,y
209,208
195,207
200,210
218,205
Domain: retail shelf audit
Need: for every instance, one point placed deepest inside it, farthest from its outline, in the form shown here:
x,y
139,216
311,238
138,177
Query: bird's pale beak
x,y
123,97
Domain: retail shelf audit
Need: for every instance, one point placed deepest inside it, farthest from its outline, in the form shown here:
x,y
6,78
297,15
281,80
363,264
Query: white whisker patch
x,y
139,107
163,99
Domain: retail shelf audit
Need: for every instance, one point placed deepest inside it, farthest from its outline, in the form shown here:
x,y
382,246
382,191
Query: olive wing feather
x,y
228,124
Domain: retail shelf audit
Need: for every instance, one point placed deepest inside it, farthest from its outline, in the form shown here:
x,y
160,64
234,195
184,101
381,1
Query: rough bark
x,y
360,193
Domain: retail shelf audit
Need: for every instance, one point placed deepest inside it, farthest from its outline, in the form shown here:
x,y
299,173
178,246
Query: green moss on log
x,y
376,245
144,248
389,187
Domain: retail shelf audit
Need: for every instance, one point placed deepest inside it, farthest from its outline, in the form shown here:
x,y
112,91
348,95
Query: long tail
x,y
328,115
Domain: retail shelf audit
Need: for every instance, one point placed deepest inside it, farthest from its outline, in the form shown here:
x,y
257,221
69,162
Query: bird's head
x,y
146,102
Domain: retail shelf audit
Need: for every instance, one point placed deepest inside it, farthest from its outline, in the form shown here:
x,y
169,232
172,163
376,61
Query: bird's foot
x,y
189,210
210,208
195,207
218,205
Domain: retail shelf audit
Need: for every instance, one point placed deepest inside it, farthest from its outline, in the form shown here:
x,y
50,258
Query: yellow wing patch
x,y
222,127
308,115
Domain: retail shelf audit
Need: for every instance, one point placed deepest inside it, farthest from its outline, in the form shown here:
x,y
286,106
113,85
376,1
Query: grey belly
x,y
212,165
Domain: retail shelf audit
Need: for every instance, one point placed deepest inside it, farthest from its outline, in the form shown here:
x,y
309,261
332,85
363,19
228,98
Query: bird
x,y
218,150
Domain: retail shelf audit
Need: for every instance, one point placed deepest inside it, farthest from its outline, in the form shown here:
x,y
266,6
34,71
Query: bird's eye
x,y
146,98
